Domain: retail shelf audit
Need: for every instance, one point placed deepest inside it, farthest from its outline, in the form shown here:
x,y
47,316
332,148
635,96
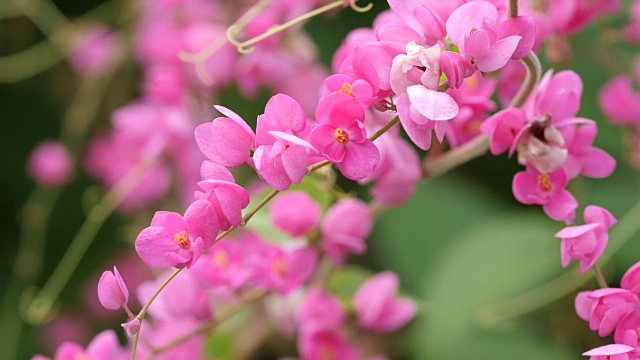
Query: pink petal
x,y
561,207
153,244
609,350
271,169
224,141
499,54
575,231
212,171
287,111
468,16
359,160
597,163
434,105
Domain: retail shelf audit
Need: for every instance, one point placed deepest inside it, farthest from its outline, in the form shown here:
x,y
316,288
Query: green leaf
x,y
497,259
408,238
219,346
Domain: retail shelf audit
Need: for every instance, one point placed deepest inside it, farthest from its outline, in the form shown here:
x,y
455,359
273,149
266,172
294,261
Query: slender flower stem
x,y
513,8
208,326
602,282
245,47
456,157
534,71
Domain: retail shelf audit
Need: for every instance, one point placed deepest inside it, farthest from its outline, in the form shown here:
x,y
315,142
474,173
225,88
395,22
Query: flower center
x,y
341,136
346,89
182,239
221,258
327,352
280,267
544,182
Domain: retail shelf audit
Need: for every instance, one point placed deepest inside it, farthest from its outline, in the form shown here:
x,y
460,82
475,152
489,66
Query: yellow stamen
x,y
346,89
544,182
340,136
182,239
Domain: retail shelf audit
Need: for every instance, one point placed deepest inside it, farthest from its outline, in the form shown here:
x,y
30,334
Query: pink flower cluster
x,y
617,311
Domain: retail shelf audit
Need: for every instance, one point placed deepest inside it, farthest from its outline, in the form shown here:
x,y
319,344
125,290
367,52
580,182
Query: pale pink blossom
x,y
112,291
377,306
50,164
295,212
344,229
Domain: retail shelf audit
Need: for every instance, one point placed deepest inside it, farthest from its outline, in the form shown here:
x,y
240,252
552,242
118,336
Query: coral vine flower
x,y
320,311
586,242
341,137
173,240
105,346
226,140
377,307
473,27
50,164
326,345
112,291
609,309
548,190
295,213
227,200
344,228
284,271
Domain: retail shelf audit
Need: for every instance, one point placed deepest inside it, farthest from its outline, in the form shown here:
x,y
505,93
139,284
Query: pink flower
x,y
620,102
105,346
283,270
50,164
344,229
227,200
322,345
283,114
610,307
456,68
473,27
225,264
502,129
341,137
586,242
363,91
377,307
112,291
548,190
285,162
295,213
227,140
95,50
172,240
398,172
423,24
320,311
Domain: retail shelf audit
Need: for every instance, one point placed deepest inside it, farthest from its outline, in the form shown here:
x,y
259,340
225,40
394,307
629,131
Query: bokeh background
x,y
485,269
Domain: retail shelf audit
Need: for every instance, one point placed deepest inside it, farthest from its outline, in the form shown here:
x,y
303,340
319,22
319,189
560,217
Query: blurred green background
x,y
461,245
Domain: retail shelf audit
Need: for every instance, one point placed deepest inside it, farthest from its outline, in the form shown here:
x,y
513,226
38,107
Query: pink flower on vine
x,y
295,213
176,241
226,140
548,190
344,229
341,137
586,243
112,291
377,307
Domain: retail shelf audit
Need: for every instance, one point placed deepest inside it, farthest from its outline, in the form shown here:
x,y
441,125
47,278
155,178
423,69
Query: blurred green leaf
x,y
493,260
408,238
220,346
